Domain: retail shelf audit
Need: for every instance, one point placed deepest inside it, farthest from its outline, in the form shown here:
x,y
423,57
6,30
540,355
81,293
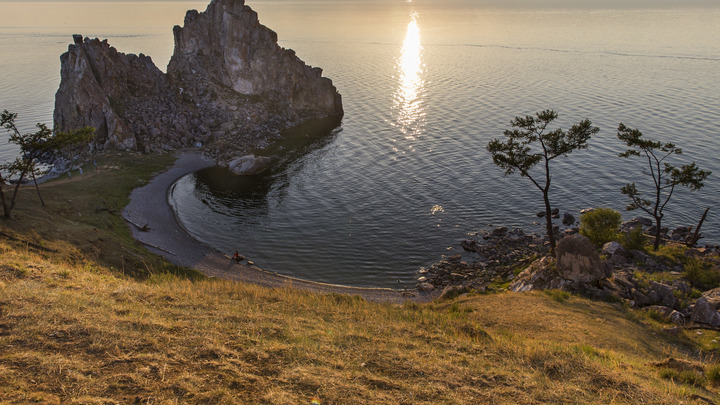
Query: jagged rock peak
x,y
125,97
226,47
228,83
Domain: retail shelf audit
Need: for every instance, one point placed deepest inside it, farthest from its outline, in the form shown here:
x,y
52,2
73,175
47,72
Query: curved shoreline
x,y
149,207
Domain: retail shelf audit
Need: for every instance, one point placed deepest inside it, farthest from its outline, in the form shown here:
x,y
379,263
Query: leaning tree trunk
x,y
14,196
696,236
548,223
6,213
38,190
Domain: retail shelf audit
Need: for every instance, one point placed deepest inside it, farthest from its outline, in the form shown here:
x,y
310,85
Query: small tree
x,y
665,176
528,144
33,146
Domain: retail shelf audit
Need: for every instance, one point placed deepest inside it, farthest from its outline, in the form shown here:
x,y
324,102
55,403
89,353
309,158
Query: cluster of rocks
x,y
228,83
611,274
579,269
499,249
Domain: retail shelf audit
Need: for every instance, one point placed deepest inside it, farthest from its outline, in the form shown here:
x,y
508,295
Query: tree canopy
x,y
665,175
42,144
529,142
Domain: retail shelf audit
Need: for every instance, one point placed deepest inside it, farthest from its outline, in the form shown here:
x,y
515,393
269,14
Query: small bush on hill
x,y
600,225
713,374
634,240
557,295
701,275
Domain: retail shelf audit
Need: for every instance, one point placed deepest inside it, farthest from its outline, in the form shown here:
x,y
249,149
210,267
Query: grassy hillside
x,y
89,316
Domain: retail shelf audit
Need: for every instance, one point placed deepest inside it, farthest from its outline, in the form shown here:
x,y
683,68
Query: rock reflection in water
x,y
244,199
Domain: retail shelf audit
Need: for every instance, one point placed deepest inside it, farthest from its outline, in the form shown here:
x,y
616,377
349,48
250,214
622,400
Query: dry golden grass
x,y
83,334
87,316
82,218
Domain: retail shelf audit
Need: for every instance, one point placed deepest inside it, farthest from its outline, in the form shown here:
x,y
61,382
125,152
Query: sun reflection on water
x,y
408,98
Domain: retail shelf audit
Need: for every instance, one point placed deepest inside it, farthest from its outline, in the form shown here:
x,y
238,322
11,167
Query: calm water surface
x,y
425,87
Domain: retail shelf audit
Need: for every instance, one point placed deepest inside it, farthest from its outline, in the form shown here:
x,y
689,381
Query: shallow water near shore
x,y
425,86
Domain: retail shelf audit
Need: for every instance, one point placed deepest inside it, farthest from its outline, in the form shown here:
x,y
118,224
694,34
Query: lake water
x,y
425,85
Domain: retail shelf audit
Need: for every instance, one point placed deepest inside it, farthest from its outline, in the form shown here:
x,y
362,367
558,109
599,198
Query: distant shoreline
x,y
150,209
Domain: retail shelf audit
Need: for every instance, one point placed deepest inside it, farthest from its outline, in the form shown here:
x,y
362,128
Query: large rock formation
x,y
128,100
228,82
225,52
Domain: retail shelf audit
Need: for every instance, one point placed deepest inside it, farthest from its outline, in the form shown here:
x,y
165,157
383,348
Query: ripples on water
x,y
407,176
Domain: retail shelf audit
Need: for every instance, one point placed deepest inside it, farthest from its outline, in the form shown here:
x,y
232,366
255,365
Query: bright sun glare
x,y
410,67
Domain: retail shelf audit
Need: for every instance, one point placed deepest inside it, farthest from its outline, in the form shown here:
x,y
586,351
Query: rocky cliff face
x,y
128,100
228,83
226,52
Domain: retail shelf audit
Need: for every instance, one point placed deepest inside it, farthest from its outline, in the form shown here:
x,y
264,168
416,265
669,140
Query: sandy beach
x,y
155,225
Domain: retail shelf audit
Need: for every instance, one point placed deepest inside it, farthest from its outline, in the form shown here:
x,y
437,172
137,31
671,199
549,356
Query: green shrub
x,y
702,275
683,377
601,225
557,295
713,374
634,240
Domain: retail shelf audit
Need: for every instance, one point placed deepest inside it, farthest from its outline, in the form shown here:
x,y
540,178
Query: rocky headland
x,y
229,87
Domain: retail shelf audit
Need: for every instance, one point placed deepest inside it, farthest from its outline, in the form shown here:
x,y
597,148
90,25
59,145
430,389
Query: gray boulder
x,y
663,294
713,297
643,221
426,287
613,247
568,219
538,276
578,261
249,165
704,313
677,318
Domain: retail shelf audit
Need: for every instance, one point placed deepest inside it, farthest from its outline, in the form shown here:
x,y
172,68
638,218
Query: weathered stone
x,y
628,226
537,276
568,219
469,245
618,259
452,291
641,300
704,313
577,260
677,318
713,297
613,247
500,231
643,221
249,165
426,287
664,293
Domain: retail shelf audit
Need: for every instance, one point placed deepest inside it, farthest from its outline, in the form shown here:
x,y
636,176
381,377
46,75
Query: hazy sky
x,y
506,3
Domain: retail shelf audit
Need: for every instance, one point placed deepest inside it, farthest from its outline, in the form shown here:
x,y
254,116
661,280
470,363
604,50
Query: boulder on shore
x,y
249,165
579,261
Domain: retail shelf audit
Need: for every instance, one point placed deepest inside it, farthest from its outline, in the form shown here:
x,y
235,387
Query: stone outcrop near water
x,y
228,86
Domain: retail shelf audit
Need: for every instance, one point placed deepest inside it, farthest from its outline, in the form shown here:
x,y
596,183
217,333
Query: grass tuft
x,y
557,295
